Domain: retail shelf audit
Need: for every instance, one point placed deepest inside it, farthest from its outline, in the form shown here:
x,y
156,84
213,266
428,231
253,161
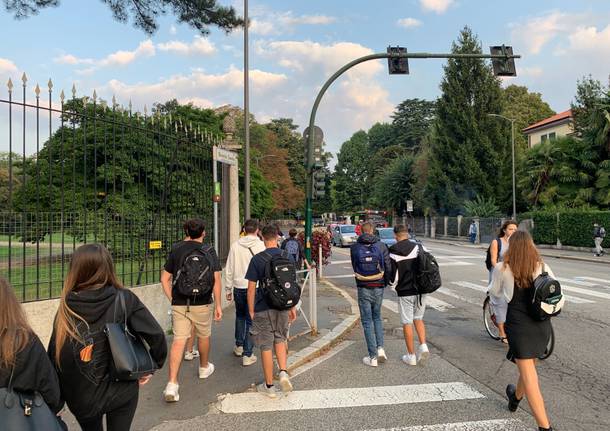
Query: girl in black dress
x,y
512,281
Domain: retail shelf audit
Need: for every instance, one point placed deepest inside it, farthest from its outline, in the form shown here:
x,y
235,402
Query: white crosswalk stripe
x,y
456,263
252,402
435,303
575,281
588,292
599,280
569,298
489,425
451,293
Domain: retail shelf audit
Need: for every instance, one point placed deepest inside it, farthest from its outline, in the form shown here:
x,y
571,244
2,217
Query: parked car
x,y
344,235
386,236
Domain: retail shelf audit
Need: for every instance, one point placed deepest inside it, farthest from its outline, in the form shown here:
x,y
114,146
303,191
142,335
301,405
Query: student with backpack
x,y
515,280
495,253
273,293
94,302
236,287
294,248
191,281
372,266
599,233
25,368
411,303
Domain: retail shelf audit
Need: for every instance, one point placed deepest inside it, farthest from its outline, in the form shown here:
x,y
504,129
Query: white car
x,y
344,235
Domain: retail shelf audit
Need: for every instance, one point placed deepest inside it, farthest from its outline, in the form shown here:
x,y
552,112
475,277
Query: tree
x,y
380,136
411,121
199,14
352,173
469,150
287,137
395,186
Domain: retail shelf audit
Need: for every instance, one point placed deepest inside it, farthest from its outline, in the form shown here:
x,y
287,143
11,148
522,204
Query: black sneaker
x,y
513,402
545,429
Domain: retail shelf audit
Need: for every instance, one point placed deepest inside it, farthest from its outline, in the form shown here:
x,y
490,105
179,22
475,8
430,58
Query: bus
x,y
379,218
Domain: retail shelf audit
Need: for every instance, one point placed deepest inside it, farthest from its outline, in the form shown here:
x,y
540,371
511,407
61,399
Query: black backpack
x,y
488,256
195,276
428,275
547,299
280,287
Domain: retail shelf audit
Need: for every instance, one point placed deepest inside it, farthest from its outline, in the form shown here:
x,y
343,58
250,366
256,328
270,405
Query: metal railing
x,y
75,170
310,287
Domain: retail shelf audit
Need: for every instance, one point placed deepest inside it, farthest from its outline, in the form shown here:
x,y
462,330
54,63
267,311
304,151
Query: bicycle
x,y
489,320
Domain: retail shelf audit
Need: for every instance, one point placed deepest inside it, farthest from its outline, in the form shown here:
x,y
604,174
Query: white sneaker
x,y
204,373
381,356
263,389
248,360
285,382
171,392
371,362
409,359
423,353
238,351
189,356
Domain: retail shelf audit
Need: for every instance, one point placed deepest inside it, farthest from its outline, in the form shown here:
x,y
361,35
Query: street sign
x,y
225,156
409,206
155,245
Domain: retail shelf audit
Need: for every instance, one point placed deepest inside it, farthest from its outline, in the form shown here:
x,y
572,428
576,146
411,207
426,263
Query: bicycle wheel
x,y
549,347
489,320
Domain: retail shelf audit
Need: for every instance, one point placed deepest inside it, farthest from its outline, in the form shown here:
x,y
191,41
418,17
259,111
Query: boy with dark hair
x,y
294,248
269,326
236,288
191,281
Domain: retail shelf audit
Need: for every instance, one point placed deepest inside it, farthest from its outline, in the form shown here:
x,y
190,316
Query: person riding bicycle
x,y
497,250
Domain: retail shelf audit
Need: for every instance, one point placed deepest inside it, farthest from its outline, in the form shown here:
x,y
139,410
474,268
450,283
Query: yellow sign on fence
x,y
155,245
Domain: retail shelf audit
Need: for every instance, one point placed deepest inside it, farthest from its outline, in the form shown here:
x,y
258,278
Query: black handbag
x,y
26,411
131,358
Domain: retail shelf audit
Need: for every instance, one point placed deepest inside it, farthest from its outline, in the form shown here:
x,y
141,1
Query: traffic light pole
x,y
314,109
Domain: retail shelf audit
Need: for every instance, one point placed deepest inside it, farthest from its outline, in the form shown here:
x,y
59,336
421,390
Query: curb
x,y
540,250
316,349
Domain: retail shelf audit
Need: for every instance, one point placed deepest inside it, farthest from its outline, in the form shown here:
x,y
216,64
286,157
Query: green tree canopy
x,y
395,186
380,136
411,120
352,173
199,14
469,150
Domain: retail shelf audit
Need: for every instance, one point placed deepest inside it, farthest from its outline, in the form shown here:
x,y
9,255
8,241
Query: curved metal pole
x,y
312,119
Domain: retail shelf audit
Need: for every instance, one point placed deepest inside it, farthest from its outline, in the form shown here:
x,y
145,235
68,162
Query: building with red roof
x,y
551,128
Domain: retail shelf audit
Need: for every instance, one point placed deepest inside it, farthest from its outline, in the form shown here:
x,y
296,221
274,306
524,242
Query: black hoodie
x,y
87,386
366,240
403,255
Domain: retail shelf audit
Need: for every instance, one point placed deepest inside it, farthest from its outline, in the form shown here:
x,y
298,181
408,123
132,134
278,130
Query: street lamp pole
x,y
246,117
512,134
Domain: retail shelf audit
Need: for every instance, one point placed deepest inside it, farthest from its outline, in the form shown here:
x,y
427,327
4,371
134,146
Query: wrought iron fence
x,y
80,171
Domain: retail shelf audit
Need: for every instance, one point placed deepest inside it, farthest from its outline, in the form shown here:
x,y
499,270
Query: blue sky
x,y
295,46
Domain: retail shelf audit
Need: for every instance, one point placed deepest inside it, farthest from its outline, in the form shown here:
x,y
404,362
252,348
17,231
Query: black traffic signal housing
x,y
503,67
397,65
319,184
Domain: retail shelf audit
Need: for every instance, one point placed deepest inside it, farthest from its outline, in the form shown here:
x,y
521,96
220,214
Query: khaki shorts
x,y
198,316
269,327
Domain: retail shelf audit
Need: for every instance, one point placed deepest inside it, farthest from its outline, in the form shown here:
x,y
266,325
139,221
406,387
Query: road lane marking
x,y
470,285
489,425
458,263
340,276
585,292
437,304
575,281
570,298
308,366
337,262
252,402
600,280
448,292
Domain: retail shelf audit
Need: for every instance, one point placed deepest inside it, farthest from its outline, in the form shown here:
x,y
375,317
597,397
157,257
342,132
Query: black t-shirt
x,y
256,272
178,254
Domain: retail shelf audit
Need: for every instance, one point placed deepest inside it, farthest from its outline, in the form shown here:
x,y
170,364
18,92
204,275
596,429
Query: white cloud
x,y
173,30
199,46
273,23
438,6
588,39
534,72
409,22
120,58
7,66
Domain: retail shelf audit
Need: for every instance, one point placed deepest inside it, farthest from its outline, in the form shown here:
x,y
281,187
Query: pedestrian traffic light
x,y
319,184
397,65
503,66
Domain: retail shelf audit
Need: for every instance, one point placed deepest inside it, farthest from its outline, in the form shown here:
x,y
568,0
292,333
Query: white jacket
x,y
502,284
240,254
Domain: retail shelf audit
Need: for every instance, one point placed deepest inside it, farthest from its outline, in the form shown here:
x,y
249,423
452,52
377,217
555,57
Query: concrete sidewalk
x,y
337,314
577,255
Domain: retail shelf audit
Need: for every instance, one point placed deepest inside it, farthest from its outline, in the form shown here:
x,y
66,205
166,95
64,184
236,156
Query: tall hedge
x,y
574,228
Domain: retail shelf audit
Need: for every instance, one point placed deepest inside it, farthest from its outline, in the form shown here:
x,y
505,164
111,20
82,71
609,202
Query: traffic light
x,y
397,65
503,67
318,140
319,184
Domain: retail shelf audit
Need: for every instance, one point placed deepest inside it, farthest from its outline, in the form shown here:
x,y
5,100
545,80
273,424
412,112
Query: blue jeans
x,y
369,302
242,321
473,237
